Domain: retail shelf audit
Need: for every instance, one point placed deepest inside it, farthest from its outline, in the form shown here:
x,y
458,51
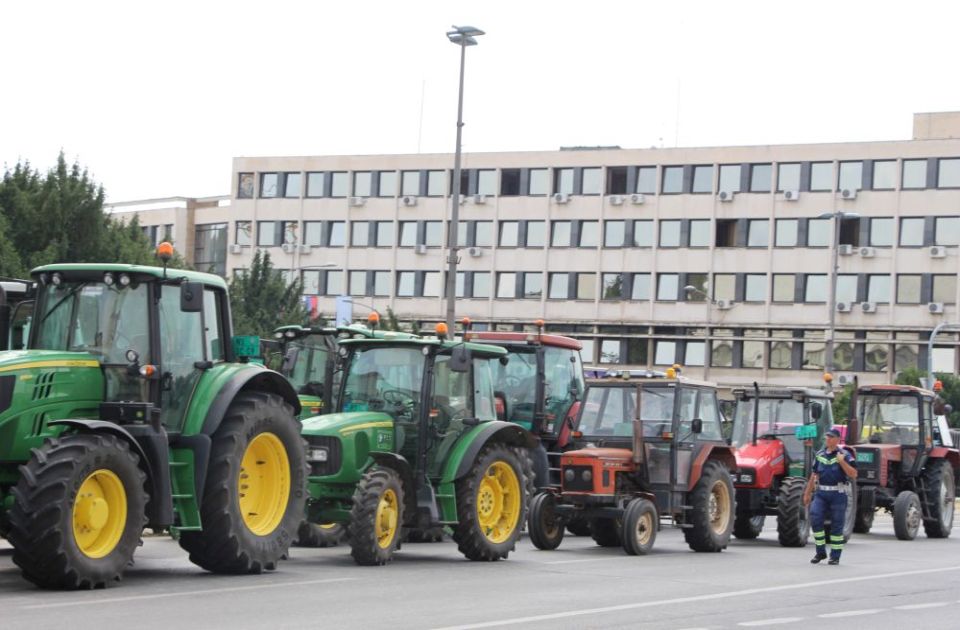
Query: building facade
x,y
603,244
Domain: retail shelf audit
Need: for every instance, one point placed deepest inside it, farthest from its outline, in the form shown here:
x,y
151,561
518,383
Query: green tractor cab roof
x,y
780,391
94,272
391,338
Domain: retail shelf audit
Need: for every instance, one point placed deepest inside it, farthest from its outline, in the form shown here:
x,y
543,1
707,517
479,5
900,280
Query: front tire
x,y
793,526
78,512
713,509
941,495
748,526
605,531
907,515
376,518
545,529
640,522
320,535
256,488
864,520
491,505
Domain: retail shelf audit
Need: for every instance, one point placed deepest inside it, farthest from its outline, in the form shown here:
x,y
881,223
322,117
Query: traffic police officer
x,y
832,471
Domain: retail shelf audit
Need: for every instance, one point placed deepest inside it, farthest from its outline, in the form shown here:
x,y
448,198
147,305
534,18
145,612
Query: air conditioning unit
x,y
726,195
463,199
305,249
479,199
409,200
561,198
845,379
844,307
935,308
357,201
724,305
616,200
637,199
847,193
475,251
938,251
421,249
289,248
236,248
867,252
868,307
845,250
791,195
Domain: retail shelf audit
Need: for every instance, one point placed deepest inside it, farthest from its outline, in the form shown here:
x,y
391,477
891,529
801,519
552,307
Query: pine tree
x,y
261,300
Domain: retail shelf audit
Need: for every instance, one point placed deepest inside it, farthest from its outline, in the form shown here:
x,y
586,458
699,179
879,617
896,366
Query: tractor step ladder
x,y
183,493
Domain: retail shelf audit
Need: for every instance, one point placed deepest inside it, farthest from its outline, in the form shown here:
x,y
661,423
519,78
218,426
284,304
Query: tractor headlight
x,y
569,475
108,279
587,476
124,280
317,454
746,478
56,279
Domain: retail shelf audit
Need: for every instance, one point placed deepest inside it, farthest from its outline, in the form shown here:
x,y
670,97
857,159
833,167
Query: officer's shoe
x,y
834,561
818,558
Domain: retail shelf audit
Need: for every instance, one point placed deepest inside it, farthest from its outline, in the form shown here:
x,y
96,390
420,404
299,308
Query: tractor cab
x,y
308,361
16,313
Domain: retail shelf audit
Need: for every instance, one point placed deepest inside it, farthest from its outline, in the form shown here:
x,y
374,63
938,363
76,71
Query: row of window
x,y
669,233
910,174
663,287
157,234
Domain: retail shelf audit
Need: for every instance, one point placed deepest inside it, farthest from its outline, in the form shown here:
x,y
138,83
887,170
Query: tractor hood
x,y
345,423
608,454
765,453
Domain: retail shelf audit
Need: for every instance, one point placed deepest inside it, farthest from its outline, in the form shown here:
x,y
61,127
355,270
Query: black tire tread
x,y
934,474
537,526
792,513
364,547
313,536
701,537
900,503
605,532
743,527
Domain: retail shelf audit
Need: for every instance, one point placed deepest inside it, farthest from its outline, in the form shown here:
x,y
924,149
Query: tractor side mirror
x,y
816,411
191,297
460,359
289,360
696,426
504,360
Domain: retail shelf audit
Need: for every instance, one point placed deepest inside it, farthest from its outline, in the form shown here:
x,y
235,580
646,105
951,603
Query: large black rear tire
x,y
376,519
543,526
793,526
941,496
320,536
78,512
257,445
714,509
605,531
907,515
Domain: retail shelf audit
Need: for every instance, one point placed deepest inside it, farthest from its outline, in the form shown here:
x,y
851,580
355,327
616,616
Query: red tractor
x,y
906,460
651,449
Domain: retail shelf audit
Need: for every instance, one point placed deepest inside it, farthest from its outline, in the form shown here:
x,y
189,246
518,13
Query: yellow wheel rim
x,y
99,513
327,525
264,484
388,516
498,502
719,507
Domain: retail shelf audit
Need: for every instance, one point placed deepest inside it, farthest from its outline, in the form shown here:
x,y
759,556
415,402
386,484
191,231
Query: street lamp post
x,y
837,217
707,351
462,36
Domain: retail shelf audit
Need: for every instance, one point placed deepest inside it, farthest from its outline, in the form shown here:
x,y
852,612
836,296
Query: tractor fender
x,y
250,379
723,454
469,446
403,468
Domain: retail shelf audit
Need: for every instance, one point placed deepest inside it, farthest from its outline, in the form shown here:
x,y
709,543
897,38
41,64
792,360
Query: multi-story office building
x,y
601,243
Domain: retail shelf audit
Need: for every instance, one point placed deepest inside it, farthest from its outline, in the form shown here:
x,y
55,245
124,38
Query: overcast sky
x,y
155,98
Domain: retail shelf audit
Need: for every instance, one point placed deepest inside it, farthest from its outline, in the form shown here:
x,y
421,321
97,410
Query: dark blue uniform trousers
x,y
833,504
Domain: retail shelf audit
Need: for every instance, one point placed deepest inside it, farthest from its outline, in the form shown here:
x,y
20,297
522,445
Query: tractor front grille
x,y
577,478
324,454
868,465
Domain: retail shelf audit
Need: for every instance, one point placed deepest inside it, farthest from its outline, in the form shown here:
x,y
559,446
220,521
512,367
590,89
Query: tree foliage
x,y
950,392
261,299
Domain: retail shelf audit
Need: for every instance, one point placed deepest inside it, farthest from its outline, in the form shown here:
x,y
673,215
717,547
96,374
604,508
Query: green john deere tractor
x,y
132,408
417,447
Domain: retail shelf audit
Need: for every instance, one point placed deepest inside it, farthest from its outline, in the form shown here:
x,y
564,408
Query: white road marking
x,y
851,613
695,598
919,606
209,591
771,622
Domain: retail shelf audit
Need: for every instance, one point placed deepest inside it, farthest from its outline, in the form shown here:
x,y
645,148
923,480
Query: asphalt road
x,y
881,583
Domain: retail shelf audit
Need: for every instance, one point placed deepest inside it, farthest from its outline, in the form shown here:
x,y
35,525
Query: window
x,y
387,186
559,286
813,351
290,229
408,234
385,232
431,284
481,284
850,231
756,287
729,178
269,183
610,353
311,282
699,282
612,286
586,286
758,233
945,288
536,233
914,175
359,233
878,288
539,181
761,176
358,283
291,185
647,180
643,233
589,233
670,233
381,283
614,233
787,231
752,355
433,233
784,287
672,180
881,232
846,288
815,289
946,231
819,233
702,179
641,287
313,233
506,285
721,350
483,233
334,283
406,281
821,176
436,183
781,351
617,180
668,286
876,355
410,183
315,184
948,173
911,232
245,183
843,350
510,182
244,233
532,285
724,286
666,353
700,233
591,181
908,288
339,184
563,180
210,248
267,233
884,174
561,234
726,233
338,233
788,177
486,182
362,184
851,176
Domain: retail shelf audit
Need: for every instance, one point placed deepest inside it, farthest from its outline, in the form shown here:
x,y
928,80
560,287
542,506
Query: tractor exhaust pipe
x,y
853,422
756,411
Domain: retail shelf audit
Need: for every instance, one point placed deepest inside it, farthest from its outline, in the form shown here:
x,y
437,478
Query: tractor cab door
x,y
20,325
697,419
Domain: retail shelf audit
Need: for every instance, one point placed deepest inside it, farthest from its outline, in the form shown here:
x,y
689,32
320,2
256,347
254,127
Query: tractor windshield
x,y
106,321
889,418
309,372
611,410
384,378
777,417
518,382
